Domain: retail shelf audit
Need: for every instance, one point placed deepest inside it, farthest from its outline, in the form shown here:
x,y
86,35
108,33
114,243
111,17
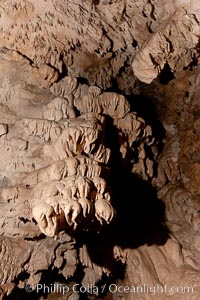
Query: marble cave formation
x,y
100,149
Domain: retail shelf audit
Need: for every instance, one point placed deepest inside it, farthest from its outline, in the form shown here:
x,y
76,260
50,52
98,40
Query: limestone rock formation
x,y
99,149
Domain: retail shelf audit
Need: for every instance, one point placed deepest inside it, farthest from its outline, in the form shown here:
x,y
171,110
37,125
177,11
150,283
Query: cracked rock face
x,y
99,143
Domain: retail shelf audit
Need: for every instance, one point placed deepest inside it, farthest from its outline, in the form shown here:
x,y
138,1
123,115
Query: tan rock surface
x,y
99,149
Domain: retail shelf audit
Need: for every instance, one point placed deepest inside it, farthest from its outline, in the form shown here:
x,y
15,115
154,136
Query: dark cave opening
x,y
140,214
139,221
166,74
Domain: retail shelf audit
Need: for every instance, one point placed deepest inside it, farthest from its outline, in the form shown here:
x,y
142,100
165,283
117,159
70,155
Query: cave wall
x,y
120,80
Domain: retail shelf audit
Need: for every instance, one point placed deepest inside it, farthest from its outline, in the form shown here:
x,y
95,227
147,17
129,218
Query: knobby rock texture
x,y
100,149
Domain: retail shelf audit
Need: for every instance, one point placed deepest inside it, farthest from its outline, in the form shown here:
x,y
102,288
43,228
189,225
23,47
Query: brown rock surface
x,y
99,149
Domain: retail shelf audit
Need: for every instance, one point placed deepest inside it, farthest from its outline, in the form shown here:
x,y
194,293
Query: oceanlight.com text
x,y
63,289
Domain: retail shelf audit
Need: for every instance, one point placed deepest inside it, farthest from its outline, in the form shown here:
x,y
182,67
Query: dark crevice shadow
x,y
139,213
139,220
145,108
166,75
